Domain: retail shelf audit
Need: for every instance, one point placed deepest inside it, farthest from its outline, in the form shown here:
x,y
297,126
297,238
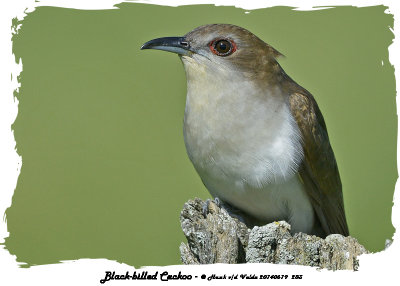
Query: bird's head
x,y
221,50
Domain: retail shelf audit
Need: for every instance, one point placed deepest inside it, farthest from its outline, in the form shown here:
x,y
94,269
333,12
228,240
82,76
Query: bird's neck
x,y
217,88
231,119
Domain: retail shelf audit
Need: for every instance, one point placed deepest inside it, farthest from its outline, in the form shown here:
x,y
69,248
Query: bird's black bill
x,y
176,45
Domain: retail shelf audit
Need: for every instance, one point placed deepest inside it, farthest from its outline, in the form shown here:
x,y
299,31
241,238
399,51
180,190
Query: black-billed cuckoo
x,y
256,138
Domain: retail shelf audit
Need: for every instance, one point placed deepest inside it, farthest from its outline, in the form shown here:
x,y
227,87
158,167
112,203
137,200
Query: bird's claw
x,y
206,206
231,210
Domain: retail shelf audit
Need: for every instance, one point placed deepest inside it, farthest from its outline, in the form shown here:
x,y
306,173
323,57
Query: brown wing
x,y
319,170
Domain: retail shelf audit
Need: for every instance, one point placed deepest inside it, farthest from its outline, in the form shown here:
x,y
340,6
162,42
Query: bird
x,y
256,138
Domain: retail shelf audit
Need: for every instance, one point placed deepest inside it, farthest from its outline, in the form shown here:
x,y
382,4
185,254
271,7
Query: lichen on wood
x,y
221,238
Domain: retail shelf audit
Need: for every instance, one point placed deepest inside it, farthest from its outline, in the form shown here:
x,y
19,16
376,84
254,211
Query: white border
x,y
375,268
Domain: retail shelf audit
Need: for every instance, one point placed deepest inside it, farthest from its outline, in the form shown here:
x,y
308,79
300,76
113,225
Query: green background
x,y
105,171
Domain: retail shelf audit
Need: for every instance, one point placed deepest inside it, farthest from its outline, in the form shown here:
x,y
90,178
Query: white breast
x,y
243,142
231,128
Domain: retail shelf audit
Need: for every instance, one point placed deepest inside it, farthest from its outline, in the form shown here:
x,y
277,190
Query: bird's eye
x,y
222,47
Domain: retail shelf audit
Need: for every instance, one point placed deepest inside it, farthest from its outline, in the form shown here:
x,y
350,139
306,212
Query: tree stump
x,y
220,238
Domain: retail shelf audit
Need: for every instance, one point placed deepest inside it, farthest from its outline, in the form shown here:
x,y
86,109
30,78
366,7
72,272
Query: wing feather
x,y
319,170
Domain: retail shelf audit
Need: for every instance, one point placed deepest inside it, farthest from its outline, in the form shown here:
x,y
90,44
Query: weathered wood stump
x,y
220,238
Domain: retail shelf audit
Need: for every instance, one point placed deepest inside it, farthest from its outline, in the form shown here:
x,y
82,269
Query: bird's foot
x,y
231,210
206,208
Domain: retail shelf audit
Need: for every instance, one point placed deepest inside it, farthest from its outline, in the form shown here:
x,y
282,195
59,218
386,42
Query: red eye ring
x,y
215,47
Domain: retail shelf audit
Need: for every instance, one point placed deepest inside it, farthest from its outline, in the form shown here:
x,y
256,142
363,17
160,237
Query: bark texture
x,y
220,238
